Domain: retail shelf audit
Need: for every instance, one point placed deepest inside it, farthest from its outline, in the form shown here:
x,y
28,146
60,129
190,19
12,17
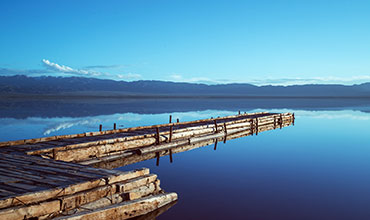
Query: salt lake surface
x,y
317,169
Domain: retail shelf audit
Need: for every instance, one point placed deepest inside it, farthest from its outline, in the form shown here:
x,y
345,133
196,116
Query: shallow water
x,y
317,169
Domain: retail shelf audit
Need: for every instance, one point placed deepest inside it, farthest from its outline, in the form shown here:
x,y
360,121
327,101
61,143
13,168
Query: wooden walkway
x,y
48,178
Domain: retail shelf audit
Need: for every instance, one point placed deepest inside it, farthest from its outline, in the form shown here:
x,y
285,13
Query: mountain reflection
x,y
21,108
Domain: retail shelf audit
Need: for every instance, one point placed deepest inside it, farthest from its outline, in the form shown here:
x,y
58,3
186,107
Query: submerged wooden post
x,y
157,156
100,127
114,126
215,144
171,160
170,138
170,119
157,135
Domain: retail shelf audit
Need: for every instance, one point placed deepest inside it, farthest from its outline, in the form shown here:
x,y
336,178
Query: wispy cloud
x,y
6,71
180,78
284,81
66,69
314,80
103,66
129,76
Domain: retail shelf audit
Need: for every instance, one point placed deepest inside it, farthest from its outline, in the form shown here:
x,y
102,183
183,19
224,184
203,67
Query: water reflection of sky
x,y
317,169
32,127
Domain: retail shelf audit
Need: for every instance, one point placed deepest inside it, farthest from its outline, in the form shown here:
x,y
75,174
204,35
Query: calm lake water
x,y
317,169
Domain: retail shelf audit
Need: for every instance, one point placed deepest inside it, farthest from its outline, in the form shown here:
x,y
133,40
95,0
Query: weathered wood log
x,y
87,196
33,197
117,161
87,134
131,184
136,193
111,143
142,191
125,210
32,211
79,154
154,214
75,200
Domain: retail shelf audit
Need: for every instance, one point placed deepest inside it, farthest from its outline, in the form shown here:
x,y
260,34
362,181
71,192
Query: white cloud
x,y
129,76
313,80
283,81
176,77
66,69
179,78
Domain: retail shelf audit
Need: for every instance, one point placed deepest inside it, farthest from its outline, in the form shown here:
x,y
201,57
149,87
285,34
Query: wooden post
x,y
114,126
215,144
54,154
281,121
171,159
274,122
252,127
100,127
216,125
256,126
239,112
293,118
178,120
225,133
170,138
157,135
170,118
157,156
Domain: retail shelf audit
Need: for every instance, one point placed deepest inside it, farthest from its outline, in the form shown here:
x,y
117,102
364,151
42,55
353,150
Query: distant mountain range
x,y
80,86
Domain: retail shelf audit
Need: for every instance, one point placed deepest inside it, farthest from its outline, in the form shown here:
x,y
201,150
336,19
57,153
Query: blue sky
x,y
261,42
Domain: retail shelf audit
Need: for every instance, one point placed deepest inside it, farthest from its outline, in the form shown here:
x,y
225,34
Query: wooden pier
x,y
61,177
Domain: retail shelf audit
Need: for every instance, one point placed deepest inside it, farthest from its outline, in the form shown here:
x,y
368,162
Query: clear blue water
x,y
317,169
